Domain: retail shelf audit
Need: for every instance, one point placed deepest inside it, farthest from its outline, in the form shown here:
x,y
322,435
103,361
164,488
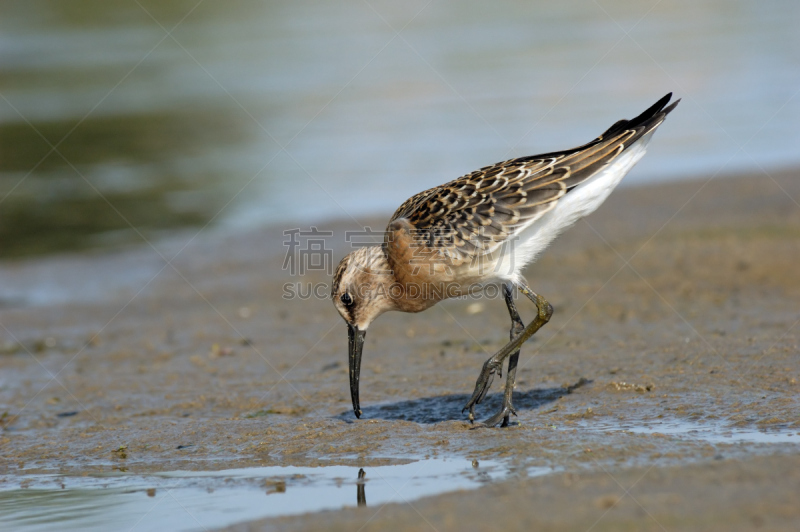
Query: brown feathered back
x,y
478,211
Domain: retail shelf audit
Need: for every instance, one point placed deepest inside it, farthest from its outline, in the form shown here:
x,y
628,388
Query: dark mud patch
x,y
428,410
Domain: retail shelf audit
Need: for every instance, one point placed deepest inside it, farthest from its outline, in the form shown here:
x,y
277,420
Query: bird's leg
x,y
493,365
516,328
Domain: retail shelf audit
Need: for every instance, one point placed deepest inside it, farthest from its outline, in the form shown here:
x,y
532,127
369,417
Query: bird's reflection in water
x,y
483,476
360,488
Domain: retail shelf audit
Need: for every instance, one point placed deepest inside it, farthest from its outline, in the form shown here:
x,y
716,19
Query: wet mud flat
x,y
663,393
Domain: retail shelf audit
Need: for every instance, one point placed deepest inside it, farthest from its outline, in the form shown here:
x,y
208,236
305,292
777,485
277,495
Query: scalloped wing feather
x,y
477,212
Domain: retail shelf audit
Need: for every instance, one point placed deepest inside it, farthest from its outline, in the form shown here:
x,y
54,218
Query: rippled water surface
x,y
119,120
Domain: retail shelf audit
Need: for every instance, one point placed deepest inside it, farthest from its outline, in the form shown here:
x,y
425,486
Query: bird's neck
x,y
411,284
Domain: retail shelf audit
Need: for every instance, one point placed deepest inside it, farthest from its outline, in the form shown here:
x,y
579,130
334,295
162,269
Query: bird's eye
x,y
346,299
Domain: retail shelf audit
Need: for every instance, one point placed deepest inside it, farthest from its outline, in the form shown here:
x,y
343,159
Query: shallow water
x,y
191,500
194,500
254,112
708,432
717,434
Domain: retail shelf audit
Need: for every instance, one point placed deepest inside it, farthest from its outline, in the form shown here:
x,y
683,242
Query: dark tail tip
x,y
668,110
653,110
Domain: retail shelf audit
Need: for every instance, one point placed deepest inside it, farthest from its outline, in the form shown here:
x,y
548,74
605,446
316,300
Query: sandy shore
x,y
676,306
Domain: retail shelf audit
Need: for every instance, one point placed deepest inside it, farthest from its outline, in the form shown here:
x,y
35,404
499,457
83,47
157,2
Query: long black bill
x,y
355,345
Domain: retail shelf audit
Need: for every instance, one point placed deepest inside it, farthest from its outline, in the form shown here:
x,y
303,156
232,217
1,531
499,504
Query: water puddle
x,y
194,500
712,433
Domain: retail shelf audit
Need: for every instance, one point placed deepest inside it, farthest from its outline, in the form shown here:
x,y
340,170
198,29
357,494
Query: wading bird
x,y
452,239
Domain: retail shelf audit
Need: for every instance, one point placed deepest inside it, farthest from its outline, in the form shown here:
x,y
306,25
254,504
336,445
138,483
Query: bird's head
x,y
361,292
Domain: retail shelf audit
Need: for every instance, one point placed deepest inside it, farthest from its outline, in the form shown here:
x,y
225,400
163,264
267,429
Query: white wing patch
x,y
533,238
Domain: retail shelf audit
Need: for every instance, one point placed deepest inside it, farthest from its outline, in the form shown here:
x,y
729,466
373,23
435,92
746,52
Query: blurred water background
x,y
123,120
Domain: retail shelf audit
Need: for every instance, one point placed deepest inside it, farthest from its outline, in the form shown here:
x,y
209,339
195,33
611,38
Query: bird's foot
x,y
503,415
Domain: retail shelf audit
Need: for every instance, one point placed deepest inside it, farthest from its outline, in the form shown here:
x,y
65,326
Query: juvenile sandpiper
x,y
452,239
